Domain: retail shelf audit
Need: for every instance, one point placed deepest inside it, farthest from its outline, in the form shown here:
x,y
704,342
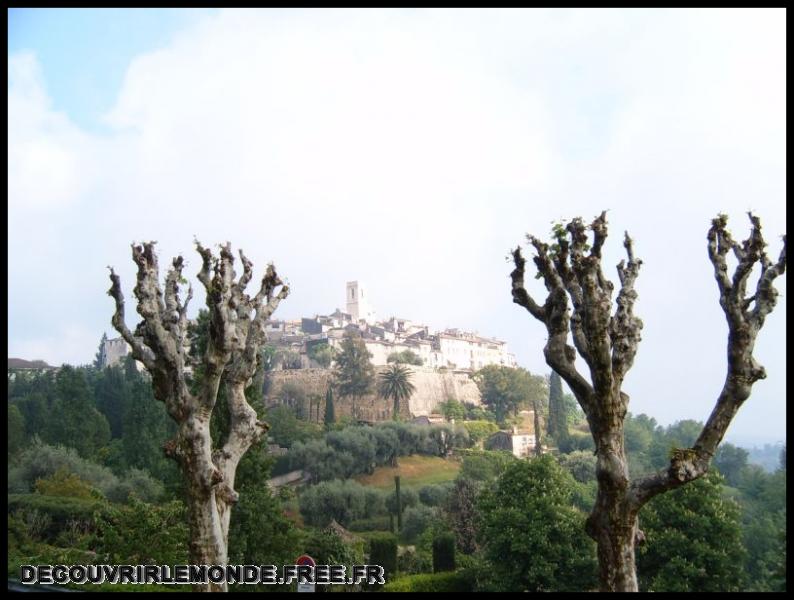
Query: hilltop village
x,y
448,359
452,349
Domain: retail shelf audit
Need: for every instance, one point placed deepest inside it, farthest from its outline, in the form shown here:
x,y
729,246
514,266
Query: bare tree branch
x,y
608,344
139,350
624,327
743,369
520,294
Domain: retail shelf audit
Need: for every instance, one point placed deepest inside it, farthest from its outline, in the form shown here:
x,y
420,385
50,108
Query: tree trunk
x,y
612,522
208,544
614,533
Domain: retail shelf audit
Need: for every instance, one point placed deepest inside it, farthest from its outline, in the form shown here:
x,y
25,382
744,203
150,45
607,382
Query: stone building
x,y
520,442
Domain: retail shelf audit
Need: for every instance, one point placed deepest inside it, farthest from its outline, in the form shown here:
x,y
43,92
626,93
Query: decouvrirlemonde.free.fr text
x,y
201,574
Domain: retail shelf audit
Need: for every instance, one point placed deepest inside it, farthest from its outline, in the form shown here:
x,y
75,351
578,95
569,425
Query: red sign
x,y
305,559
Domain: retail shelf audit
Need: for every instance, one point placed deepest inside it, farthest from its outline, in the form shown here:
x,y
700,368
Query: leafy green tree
x,y
694,541
359,443
78,423
434,494
506,390
395,384
146,428
99,357
406,357
682,434
296,397
322,462
731,461
416,519
111,396
321,353
142,533
34,394
66,484
35,409
460,511
480,430
582,465
341,500
452,409
408,497
327,547
286,428
763,497
478,413
354,374
783,457
259,531
530,534
387,446
485,465
16,430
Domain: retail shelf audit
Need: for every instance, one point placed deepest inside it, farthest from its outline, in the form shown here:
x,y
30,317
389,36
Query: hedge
x,y
383,552
430,582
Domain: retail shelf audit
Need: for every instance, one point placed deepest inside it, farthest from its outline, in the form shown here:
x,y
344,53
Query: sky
x,y
409,149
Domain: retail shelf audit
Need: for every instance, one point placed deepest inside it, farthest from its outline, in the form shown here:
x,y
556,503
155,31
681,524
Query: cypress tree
x,y
330,417
99,357
558,419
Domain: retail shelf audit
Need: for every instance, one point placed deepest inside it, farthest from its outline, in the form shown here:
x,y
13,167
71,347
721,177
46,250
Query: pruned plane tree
x,y
236,334
579,307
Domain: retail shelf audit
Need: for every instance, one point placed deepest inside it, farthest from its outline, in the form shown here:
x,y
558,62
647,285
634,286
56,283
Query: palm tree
x,y
394,383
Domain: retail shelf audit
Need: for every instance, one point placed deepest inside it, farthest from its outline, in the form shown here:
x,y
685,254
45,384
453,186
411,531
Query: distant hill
x,y
767,457
21,363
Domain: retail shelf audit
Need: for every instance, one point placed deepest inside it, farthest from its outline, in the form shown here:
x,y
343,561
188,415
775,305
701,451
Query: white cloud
x,y
411,149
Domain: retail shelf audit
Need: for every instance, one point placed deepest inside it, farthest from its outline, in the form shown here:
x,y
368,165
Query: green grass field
x,y
414,471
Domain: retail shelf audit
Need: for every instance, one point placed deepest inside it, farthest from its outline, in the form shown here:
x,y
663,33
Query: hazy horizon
x,y
409,149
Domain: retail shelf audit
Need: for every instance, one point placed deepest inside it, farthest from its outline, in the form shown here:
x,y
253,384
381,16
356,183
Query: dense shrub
x,y
576,440
342,500
480,430
408,498
138,483
416,520
322,462
326,547
142,533
430,582
532,538
434,494
66,484
382,523
410,562
374,502
41,462
53,512
484,465
580,464
346,451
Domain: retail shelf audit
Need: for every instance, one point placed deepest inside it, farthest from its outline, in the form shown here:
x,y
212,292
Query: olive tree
x,y
236,336
607,342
